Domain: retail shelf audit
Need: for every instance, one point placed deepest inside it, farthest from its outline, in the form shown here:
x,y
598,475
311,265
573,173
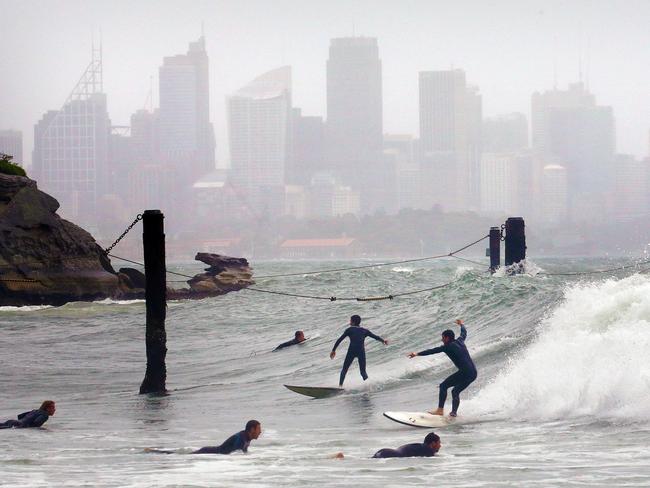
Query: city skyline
x,y
554,56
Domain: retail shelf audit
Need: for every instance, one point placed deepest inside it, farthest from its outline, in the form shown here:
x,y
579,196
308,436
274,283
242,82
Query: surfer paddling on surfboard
x,y
357,335
455,349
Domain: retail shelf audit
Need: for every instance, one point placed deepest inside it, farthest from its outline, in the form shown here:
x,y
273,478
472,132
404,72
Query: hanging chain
x,y
110,248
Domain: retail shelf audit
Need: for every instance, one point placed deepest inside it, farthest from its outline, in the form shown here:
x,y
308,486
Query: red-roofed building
x,y
341,247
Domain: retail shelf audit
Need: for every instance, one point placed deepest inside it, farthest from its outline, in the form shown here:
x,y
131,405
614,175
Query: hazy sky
x,y
508,48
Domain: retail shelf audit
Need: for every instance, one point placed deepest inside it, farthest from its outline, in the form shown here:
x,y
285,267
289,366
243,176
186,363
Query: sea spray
x,y
589,359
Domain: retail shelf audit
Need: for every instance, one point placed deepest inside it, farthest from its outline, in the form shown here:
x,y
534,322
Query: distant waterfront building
x,y
71,148
355,116
259,123
328,198
186,134
554,194
11,143
295,201
450,138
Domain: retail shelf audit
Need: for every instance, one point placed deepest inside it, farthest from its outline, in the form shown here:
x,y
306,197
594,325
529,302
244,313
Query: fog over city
x,y
256,126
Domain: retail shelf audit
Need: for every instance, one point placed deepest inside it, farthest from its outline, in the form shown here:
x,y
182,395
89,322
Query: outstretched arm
x,y
463,330
376,337
338,341
428,352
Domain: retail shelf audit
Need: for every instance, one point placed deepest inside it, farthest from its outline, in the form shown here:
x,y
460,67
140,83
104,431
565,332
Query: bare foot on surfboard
x,y
437,411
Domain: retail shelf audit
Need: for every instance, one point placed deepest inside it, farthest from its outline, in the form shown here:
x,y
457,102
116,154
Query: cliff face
x,y
46,260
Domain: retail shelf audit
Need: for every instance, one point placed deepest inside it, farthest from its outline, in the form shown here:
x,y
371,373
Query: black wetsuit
x,y
237,441
407,450
356,349
33,418
292,342
457,352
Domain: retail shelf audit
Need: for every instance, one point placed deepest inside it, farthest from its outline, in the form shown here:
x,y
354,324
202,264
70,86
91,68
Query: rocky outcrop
x,y
46,260
224,274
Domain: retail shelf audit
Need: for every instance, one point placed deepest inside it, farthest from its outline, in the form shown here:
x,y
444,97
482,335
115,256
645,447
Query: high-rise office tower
x,y
71,147
505,133
354,116
308,148
11,143
259,123
450,139
631,187
554,194
570,129
499,176
186,134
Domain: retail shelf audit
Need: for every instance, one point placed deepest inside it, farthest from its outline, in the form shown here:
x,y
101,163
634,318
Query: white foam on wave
x,y
402,269
525,267
110,301
589,359
26,308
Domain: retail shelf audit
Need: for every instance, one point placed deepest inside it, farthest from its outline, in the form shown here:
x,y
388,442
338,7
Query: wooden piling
x,y
495,248
515,240
153,239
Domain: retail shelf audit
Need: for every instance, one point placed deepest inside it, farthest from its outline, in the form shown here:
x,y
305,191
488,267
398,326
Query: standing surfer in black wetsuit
x,y
299,337
33,418
356,349
428,448
456,351
239,441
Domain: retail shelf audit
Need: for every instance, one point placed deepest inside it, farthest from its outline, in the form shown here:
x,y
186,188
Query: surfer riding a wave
x,y
456,350
356,349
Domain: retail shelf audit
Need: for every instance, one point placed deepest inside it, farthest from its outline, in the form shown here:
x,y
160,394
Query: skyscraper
x,y
259,123
186,134
70,147
308,148
571,130
505,133
450,138
354,116
11,143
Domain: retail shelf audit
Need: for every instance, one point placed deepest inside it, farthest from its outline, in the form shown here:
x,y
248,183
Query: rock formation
x,y
46,260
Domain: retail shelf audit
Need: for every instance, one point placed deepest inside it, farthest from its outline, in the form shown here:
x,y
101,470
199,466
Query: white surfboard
x,y
421,419
315,391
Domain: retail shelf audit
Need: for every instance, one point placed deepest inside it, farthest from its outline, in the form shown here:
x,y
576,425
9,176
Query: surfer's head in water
x,y
299,335
448,336
253,429
48,406
433,441
355,320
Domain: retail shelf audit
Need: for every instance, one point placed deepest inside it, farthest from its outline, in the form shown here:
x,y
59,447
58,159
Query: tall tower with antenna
x,y
71,145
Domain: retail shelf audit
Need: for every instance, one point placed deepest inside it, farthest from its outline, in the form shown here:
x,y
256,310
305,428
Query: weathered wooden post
x,y
495,248
153,239
515,240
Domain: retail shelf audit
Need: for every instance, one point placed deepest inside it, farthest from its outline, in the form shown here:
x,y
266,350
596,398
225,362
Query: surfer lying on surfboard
x,y
428,448
456,351
356,349
299,337
236,442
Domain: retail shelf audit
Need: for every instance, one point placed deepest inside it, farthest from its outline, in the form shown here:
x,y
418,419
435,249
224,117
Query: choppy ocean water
x,y
562,398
